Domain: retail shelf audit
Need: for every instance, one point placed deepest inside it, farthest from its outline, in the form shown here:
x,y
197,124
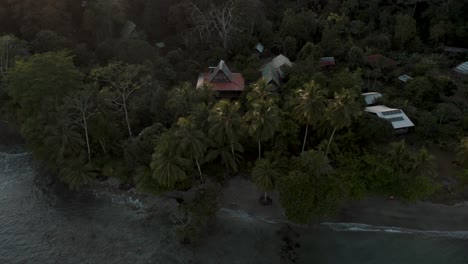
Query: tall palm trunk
x,y
232,148
85,127
199,171
305,138
265,196
329,141
126,116
259,149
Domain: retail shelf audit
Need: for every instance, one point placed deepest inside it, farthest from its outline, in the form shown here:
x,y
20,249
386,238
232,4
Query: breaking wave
x,y
357,227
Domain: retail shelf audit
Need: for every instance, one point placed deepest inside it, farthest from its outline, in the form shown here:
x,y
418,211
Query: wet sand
x,y
242,195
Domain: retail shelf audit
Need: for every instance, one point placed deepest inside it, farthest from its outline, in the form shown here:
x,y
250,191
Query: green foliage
x,y
405,30
289,47
309,106
343,109
11,48
121,82
263,117
40,83
77,174
355,57
168,166
310,52
47,40
225,122
399,171
309,190
265,174
199,215
423,92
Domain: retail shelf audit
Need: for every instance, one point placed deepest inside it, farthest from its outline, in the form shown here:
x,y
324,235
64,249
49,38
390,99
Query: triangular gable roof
x,y
270,74
280,61
223,68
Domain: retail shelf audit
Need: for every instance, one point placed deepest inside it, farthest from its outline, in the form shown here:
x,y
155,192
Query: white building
x,y
462,68
371,97
404,78
399,120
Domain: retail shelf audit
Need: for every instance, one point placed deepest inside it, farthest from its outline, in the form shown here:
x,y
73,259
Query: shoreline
x,y
242,196
374,211
240,200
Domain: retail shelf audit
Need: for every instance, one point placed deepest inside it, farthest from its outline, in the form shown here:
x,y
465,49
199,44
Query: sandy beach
x,y
242,195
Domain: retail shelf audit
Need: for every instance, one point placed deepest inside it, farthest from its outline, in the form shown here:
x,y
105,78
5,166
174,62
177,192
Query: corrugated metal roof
x,y
404,78
396,117
280,61
371,97
223,68
327,61
260,48
271,75
462,68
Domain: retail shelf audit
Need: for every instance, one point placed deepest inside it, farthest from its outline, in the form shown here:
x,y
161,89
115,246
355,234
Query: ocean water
x,y
39,224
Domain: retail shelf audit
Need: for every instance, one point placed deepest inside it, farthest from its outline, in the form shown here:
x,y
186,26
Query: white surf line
x,y
358,227
246,216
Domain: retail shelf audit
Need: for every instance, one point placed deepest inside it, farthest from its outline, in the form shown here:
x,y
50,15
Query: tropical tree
x,y
309,190
81,107
263,117
264,174
10,47
182,99
123,81
63,139
191,141
39,84
230,159
77,174
341,112
310,106
168,166
225,123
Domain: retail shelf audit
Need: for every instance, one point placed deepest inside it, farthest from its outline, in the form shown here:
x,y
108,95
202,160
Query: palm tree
x,y
423,164
191,141
229,155
264,120
264,175
400,157
181,99
341,111
310,106
263,117
77,174
261,91
167,165
225,123
63,137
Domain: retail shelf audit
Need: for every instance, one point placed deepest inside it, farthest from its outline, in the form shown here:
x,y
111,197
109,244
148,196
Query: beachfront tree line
x,y
93,104
85,125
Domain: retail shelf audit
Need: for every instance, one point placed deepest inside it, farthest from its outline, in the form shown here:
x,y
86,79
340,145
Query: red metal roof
x,y
237,82
326,61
